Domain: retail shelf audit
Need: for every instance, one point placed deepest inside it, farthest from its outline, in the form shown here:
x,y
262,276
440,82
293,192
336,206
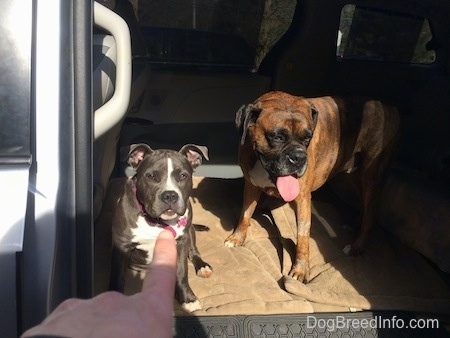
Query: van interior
x,y
194,64
175,72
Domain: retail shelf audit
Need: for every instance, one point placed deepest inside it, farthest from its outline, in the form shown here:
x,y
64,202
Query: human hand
x,y
112,314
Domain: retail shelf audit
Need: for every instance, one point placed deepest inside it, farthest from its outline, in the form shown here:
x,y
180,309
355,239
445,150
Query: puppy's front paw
x,y
234,240
300,271
192,306
205,271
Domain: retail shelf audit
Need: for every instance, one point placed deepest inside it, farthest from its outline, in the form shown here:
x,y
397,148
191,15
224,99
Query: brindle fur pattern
x,y
328,135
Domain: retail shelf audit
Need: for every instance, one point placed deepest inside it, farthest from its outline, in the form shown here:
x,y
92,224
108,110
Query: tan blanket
x,y
252,279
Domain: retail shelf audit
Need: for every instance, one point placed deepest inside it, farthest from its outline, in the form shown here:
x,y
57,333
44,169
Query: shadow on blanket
x,y
252,279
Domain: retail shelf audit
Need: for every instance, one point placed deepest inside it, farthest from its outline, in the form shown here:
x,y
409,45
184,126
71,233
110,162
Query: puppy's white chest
x,y
259,176
144,235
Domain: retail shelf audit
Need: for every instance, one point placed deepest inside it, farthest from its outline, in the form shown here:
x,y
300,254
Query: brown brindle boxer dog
x,y
291,145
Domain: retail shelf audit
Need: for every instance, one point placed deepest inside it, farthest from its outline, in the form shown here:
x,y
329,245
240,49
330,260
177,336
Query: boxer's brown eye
x,y
276,138
306,138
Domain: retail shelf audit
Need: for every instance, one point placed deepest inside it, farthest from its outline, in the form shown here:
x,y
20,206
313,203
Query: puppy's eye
x,y
183,176
150,176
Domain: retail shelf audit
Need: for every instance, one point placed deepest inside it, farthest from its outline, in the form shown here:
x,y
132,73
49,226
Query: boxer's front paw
x,y
236,239
300,271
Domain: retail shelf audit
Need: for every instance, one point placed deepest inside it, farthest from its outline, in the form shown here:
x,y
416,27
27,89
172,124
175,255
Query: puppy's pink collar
x,y
181,222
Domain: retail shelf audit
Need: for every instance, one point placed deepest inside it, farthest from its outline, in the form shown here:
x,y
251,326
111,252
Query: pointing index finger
x,y
161,274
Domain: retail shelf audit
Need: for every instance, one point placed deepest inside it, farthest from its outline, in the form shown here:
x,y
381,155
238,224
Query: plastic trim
x,y
108,115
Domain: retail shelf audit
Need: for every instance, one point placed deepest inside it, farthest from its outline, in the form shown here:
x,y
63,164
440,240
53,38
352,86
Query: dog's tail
x,y
199,227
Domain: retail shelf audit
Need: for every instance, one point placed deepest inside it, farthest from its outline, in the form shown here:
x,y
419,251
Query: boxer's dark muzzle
x,y
291,161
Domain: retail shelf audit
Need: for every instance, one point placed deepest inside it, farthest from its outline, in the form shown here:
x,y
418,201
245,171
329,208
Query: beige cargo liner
x,y
252,279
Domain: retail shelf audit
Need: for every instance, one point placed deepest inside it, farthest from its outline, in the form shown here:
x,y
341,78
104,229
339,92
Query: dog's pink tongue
x,y
288,187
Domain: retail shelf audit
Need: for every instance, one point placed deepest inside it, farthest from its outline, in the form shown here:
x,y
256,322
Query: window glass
x,y
218,33
15,79
370,34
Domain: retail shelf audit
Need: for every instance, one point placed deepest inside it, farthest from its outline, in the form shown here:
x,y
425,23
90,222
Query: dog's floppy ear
x,y
245,116
194,154
314,114
135,153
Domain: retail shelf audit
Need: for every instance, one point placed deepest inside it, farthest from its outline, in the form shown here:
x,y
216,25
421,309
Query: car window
x,y
370,34
15,70
190,47
216,33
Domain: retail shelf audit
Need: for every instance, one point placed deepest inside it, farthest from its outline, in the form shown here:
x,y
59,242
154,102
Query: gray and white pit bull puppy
x,y
157,198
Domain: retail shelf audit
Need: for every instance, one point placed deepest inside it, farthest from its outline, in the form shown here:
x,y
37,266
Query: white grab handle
x,y
108,115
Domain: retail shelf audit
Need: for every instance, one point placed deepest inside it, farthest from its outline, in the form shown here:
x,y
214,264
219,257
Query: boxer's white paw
x,y
229,244
235,239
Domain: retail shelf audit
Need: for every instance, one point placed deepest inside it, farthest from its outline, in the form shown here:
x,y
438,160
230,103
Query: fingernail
x,y
166,234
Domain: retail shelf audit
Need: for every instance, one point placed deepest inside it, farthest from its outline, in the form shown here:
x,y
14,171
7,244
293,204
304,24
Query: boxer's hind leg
x,y
375,160
372,178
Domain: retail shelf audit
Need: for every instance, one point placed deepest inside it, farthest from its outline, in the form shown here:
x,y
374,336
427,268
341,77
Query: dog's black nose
x,y
296,157
169,196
